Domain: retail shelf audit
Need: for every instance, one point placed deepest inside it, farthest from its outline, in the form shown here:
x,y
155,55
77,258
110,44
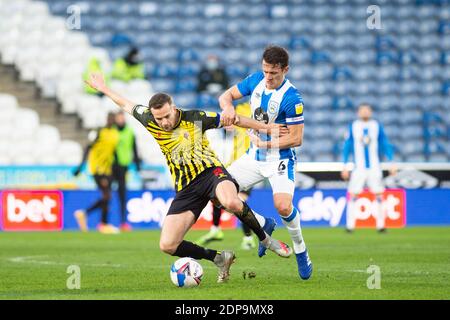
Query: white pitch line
x,y
31,259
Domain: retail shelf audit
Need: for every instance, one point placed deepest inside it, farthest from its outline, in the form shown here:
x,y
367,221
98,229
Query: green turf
x,y
414,264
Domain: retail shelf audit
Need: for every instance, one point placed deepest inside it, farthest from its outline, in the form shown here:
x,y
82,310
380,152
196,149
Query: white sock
x,y
266,241
260,218
379,212
351,214
215,228
292,223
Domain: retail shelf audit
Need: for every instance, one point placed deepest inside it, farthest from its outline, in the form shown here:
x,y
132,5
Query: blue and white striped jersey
x,y
283,105
367,142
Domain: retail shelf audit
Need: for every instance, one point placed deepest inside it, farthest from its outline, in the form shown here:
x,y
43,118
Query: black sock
x,y
247,230
105,211
247,217
189,249
216,215
96,205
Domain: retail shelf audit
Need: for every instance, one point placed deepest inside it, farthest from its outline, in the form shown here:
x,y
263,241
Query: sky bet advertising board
x,y
52,210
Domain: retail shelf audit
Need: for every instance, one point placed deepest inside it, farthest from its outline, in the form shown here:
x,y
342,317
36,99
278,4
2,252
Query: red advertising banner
x,y
31,210
393,206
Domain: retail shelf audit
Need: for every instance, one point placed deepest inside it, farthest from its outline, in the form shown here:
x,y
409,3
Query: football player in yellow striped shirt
x,y
197,174
100,157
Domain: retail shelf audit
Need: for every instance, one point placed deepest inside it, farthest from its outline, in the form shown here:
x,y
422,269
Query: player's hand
x,y
76,172
96,81
228,116
277,130
345,174
257,140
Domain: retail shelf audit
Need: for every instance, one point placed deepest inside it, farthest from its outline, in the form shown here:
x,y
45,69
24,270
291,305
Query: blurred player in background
x,y
100,154
241,142
366,141
197,174
126,152
273,100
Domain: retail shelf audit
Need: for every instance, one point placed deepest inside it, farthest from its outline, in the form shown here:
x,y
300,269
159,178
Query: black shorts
x,y
195,195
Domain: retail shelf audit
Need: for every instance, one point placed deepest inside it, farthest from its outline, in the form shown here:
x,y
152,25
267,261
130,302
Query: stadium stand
x,y
26,141
403,69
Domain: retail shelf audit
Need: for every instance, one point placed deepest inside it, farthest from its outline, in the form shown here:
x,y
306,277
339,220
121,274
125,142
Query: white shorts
x,y
359,178
248,172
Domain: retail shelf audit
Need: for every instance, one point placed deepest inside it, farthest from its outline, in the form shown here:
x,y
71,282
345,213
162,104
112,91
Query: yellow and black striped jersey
x,y
186,147
101,153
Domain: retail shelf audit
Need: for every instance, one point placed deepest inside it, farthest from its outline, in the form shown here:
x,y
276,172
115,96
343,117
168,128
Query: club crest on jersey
x,y
260,115
218,172
273,107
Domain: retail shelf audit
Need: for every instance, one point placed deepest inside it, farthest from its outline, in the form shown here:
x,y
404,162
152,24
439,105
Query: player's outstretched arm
x,y
294,138
272,129
226,104
97,82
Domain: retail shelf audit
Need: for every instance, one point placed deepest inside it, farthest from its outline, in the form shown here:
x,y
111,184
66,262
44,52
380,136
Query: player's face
x,y
365,113
166,117
273,74
110,120
120,119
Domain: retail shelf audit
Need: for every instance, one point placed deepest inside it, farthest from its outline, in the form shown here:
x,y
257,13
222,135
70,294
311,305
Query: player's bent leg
x,y
174,229
226,193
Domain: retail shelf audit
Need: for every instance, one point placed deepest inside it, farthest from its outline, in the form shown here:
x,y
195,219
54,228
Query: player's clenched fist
x,y
228,117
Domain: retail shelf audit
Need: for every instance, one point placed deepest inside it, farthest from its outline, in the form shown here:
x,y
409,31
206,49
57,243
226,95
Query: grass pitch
x,y
414,264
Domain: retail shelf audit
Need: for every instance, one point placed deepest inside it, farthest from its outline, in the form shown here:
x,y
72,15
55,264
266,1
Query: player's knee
x,y
233,204
284,209
168,247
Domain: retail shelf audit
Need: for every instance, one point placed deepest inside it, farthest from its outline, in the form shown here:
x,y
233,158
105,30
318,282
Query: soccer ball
x,y
186,273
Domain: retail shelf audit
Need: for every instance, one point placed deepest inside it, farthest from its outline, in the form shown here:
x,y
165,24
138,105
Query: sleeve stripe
x,y
295,119
218,120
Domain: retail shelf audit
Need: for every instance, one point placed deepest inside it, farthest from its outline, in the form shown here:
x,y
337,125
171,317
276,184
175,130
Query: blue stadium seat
x,y
387,57
319,57
342,103
186,100
185,85
207,101
190,69
163,85
164,70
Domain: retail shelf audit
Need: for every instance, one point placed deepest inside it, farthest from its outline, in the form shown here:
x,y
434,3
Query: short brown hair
x,y
277,56
159,100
